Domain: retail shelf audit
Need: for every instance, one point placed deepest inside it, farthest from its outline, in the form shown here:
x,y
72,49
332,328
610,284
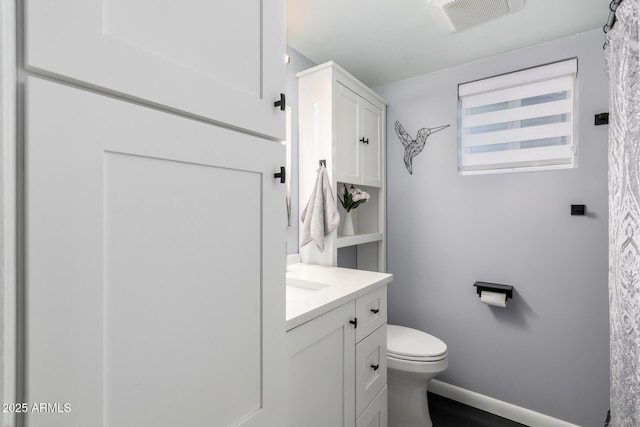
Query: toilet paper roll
x,y
497,299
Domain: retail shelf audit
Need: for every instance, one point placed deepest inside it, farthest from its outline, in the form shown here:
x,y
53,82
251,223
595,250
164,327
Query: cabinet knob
x,y
282,103
282,175
364,141
375,310
354,322
375,367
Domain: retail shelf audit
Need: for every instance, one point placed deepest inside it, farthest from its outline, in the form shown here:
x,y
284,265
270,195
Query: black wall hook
x,y
601,119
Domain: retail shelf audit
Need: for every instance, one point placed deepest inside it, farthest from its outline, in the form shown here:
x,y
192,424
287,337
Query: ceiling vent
x,y
463,14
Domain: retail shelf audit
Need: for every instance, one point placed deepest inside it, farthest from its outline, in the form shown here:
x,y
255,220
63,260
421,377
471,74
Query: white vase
x,y
347,225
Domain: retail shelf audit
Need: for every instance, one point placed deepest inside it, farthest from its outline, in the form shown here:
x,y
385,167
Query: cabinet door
x,y
376,413
348,151
372,151
154,268
322,371
218,60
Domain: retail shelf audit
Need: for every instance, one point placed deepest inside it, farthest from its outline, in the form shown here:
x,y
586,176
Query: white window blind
x,y
518,121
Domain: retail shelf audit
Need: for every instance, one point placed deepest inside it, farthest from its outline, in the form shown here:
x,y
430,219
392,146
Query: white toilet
x,y
413,359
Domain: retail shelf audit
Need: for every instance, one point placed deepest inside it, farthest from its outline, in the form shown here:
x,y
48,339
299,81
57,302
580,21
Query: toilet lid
x,y
412,344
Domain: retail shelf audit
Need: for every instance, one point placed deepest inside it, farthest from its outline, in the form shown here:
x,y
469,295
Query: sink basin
x,y
305,285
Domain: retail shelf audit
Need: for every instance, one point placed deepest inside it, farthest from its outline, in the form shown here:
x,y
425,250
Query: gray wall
x,y
549,349
297,64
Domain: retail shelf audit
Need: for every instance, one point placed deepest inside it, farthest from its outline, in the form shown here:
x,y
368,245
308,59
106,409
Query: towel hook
x,y
323,163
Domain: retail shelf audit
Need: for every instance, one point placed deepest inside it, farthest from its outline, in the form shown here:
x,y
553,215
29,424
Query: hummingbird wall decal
x,y
413,147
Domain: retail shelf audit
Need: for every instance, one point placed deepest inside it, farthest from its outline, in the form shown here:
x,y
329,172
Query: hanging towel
x,y
321,216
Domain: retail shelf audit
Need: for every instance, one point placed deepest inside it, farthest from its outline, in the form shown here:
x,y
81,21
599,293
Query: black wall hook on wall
x,y
601,119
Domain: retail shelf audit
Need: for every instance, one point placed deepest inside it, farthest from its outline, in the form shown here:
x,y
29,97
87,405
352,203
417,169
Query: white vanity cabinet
x,y
337,366
342,121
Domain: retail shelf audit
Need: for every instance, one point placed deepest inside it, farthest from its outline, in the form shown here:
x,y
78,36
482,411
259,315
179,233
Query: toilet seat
x,y
417,358
413,345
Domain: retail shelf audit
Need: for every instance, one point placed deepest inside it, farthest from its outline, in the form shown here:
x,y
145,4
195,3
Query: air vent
x,y
463,14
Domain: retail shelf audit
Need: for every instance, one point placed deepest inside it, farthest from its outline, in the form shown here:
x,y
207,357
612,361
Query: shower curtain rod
x,y
612,15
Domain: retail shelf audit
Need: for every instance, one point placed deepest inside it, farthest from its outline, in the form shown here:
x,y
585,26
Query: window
x,y
518,121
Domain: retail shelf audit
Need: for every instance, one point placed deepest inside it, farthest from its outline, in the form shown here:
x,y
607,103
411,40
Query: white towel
x,y
321,216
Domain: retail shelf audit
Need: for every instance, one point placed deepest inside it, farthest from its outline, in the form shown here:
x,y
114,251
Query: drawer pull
x,y
282,103
375,367
282,175
375,310
354,322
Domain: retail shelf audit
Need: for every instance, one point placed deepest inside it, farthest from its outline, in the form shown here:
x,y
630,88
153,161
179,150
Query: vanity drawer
x,y
371,367
376,414
371,312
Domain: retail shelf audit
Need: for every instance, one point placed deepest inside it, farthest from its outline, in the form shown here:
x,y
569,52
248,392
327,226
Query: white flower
x,y
352,198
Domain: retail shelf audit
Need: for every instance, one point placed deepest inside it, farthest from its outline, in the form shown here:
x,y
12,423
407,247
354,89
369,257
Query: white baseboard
x,y
494,406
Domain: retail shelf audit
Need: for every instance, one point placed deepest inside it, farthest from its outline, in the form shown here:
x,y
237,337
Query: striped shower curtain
x,y
623,68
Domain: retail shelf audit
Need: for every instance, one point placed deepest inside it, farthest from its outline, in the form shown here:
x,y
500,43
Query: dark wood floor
x,y
449,413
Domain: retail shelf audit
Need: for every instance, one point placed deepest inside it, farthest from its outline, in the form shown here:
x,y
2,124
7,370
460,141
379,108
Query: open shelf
x,y
358,239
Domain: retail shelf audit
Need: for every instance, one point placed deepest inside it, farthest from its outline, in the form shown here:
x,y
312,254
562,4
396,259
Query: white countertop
x,y
313,290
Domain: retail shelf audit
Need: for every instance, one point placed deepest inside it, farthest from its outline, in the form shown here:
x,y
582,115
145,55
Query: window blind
x,y
520,120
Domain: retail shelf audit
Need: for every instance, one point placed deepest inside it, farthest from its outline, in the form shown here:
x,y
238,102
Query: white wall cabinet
x,y
154,228
220,61
343,122
336,377
358,138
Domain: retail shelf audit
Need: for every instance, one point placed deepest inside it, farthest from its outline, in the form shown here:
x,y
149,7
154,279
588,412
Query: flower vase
x,y
347,226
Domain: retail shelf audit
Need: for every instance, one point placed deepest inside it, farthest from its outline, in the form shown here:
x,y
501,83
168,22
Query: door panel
x,y
157,262
152,275
322,371
371,152
188,32
223,61
348,151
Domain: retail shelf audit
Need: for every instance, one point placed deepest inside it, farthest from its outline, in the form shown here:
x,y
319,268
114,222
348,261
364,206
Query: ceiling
x,y
382,41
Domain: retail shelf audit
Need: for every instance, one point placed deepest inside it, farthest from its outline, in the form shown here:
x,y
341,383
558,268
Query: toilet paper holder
x,y
494,287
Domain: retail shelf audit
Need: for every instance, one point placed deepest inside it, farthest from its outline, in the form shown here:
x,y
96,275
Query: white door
x,y
154,267
372,149
322,371
348,151
219,60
